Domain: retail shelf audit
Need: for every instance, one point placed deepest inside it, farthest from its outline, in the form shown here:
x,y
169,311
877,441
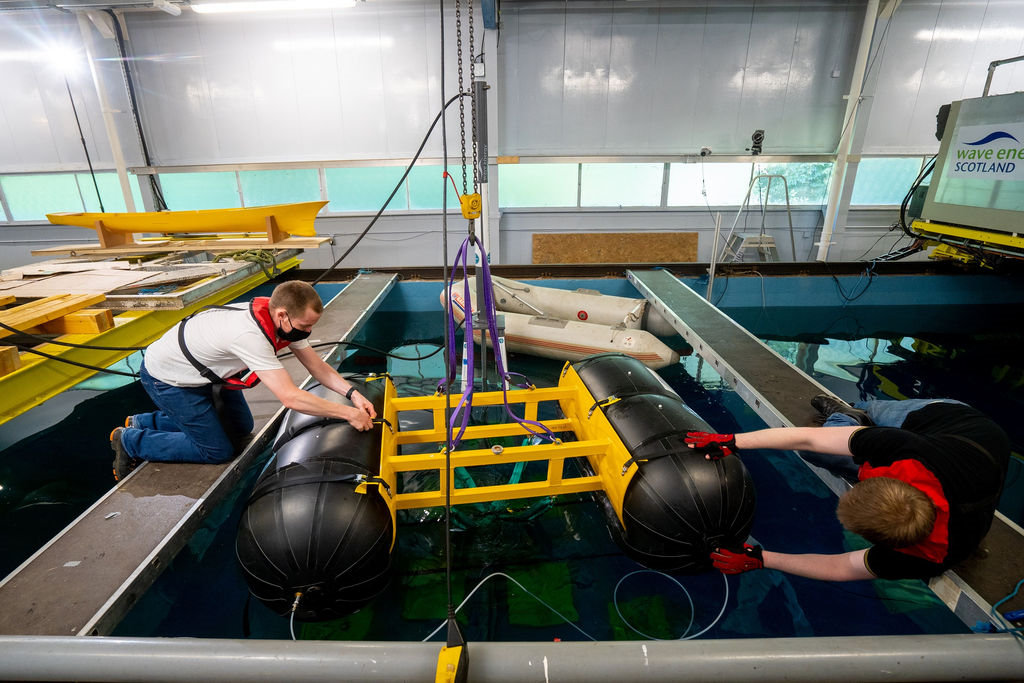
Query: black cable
x,y
85,148
64,343
29,349
161,204
444,209
447,384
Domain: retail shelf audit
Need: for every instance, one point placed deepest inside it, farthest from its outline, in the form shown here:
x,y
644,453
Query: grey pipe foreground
x,y
964,657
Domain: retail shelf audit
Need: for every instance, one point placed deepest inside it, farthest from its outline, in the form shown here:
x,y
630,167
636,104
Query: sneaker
x,y
827,405
123,463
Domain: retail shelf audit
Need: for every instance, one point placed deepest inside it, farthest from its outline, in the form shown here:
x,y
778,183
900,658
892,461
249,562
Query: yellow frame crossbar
x,y
595,439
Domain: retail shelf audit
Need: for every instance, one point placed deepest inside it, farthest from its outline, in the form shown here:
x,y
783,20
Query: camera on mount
x,y
756,141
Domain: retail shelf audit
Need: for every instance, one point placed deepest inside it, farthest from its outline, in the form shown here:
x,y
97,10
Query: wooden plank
x,y
42,311
615,247
159,505
7,299
162,246
99,281
85,321
57,266
10,359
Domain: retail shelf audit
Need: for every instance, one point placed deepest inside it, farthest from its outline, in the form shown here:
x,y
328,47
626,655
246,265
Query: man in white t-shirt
x,y
192,373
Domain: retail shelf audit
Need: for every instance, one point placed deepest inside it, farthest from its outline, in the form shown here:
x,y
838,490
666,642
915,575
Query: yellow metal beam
x,y
489,398
985,236
479,432
484,494
40,378
485,456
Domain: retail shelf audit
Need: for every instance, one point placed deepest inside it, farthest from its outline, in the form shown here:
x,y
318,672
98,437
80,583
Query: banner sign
x,y
988,152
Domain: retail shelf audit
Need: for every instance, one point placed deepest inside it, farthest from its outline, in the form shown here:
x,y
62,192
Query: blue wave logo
x,y
996,135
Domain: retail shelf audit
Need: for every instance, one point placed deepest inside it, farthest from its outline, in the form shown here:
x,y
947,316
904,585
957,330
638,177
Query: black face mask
x,y
293,335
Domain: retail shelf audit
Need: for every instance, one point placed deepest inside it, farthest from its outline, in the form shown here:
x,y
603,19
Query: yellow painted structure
x,y
40,378
294,219
595,440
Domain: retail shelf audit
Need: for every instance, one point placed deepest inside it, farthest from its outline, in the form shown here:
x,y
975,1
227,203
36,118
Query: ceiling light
x,y
268,6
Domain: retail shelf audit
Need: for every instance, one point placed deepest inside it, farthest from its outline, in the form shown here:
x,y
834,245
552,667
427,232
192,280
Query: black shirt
x,y
967,452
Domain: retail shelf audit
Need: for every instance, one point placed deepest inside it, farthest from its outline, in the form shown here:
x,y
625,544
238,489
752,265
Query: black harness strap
x,y
209,375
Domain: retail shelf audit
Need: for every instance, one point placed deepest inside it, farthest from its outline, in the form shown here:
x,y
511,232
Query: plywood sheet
x,y
615,247
91,282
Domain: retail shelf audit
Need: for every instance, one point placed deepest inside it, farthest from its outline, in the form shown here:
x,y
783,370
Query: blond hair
x,y
887,512
296,297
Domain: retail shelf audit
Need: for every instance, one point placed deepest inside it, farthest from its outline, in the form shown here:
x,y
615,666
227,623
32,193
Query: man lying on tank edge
x,y
930,474
191,373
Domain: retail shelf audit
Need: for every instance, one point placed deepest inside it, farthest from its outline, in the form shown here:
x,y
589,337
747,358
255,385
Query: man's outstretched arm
x,y
843,567
831,440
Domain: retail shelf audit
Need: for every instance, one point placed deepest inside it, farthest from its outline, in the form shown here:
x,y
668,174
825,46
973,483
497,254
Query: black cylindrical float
x,y
306,530
678,505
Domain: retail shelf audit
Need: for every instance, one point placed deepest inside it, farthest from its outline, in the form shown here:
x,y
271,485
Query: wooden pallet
x,y
59,314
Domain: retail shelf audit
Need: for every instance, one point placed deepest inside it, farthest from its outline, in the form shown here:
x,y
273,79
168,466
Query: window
x,y
699,184
261,188
110,190
197,191
621,184
538,185
364,189
31,197
884,180
425,186
807,182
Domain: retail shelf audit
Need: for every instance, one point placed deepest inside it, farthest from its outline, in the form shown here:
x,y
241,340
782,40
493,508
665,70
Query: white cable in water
x,y
615,599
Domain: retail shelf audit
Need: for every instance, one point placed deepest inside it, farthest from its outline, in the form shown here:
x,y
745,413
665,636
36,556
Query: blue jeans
x,y
186,426
883,414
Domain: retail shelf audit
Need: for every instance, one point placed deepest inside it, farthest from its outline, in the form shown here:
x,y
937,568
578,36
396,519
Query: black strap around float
x,y
654,456
365,475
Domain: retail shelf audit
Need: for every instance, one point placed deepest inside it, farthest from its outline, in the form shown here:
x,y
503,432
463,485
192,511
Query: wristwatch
x,y
348,394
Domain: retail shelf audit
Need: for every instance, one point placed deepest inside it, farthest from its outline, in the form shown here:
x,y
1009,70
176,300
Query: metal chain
x,y
462,105
472,73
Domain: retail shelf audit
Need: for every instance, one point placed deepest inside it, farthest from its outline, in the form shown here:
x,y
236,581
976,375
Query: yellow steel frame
x,y
984,236
596,440
41,378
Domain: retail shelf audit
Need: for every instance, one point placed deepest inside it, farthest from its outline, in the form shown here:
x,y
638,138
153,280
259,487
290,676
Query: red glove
x,y
713,446
729,562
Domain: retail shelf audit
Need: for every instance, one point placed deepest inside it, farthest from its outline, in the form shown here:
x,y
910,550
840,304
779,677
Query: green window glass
x,y
714,184
425,190
261,188
884,180
621,184
110,190
807,182
538,185
31,197
197,191
364,189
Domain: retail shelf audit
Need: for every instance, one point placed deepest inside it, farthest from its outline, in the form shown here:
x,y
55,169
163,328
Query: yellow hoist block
x,y
471,205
